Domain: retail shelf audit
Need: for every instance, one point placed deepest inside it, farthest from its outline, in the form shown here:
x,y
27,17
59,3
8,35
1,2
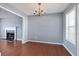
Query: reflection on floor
x,y
16,48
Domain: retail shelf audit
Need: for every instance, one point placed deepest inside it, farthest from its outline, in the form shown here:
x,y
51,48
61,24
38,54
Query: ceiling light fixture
x,y
39,11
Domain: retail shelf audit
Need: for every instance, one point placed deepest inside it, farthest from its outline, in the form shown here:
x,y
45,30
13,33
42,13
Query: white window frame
x,y
68,27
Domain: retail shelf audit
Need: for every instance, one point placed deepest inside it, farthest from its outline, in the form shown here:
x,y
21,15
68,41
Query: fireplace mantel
x,y
13,29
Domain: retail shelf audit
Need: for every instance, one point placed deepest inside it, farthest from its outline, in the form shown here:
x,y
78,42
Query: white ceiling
x,y
28,8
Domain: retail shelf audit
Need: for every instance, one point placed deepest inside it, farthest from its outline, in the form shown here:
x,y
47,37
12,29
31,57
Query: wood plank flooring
x,y
16,48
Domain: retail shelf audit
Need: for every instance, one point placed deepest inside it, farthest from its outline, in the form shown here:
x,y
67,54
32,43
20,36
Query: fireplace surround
x,y
11,33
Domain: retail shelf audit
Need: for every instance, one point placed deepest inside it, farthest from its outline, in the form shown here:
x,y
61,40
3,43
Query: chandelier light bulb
x,y
39,12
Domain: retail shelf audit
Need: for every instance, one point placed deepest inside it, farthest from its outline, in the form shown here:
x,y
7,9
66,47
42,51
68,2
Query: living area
x,y
39,29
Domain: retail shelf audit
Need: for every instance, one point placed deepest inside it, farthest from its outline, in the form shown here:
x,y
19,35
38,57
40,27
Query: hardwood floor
x,y
16,48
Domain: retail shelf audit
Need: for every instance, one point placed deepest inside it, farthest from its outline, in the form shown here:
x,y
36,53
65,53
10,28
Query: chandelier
x,y
39,11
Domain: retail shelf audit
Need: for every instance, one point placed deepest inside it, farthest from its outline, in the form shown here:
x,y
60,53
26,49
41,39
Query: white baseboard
x,y
42,42
19,39
14,39
0,53
68,50
24,41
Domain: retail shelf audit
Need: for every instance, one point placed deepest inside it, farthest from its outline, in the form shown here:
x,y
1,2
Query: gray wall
x,y
10,20
71,47
46,28
0,27
25,29
78,29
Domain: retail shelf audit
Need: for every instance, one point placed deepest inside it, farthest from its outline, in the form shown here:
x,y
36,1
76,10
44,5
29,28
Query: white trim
x,y
23,41
68,50
68,14
42,42
14,29
0,53
11,11
19,39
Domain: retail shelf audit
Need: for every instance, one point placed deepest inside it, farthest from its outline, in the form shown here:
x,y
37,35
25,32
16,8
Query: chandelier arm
x,y
39,12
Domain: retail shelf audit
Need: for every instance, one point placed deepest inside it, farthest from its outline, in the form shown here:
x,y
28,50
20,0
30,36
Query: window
x,y
71,26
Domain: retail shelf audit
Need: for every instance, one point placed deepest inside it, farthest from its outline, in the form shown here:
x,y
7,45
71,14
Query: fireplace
x,y
10,33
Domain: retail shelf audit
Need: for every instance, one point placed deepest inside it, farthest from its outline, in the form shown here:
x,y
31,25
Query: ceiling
x,y
49,8
5,14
